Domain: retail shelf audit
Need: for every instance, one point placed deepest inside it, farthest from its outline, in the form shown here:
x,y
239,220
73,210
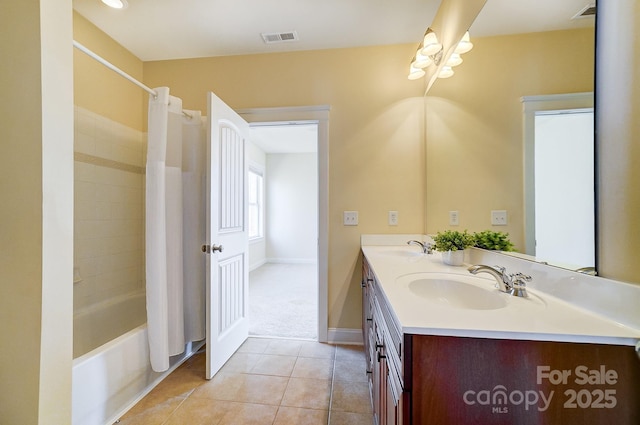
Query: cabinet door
x,y
367,323
393,402
379,373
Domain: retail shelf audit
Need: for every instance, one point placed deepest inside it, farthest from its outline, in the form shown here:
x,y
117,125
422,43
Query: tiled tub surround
x,y
267,381
579,308
108,228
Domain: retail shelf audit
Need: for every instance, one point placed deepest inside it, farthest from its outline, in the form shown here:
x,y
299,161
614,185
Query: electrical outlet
x,y
393,218
453,218
499,217
350,218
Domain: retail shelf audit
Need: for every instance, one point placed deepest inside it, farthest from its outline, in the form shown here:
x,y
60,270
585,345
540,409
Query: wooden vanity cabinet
x,y
432,379
383,352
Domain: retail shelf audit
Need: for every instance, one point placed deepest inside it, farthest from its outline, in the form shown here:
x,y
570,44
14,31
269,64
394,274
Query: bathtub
x,y
111,378
102,322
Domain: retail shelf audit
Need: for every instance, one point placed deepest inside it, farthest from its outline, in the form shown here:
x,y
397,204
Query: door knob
x,y
211,248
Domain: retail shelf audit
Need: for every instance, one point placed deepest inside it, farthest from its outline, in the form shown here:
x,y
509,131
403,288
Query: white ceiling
x,y
177,29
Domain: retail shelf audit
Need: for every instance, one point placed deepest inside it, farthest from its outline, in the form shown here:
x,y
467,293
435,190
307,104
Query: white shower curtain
x,y
174,315
194,209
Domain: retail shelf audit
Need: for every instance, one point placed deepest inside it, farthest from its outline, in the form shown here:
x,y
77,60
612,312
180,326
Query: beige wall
x,y
618,139
100,90
474,124
36,211
20,162
376,136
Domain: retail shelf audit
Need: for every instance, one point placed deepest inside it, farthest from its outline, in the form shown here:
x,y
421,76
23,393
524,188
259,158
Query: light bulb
x,y
464,45
445,72
430,43
116,4
415,73
421,61
454,60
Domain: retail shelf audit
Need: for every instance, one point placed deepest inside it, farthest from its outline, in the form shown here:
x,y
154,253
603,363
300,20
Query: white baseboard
x,y
344,336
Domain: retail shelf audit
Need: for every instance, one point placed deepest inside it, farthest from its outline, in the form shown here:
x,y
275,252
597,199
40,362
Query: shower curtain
x,y
175,268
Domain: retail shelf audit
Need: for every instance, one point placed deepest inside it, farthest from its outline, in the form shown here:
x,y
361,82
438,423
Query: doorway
x,y
552,112
318,114
283,223
564,189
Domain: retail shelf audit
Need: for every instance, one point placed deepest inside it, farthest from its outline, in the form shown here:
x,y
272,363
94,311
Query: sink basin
x,y
455,291
402,252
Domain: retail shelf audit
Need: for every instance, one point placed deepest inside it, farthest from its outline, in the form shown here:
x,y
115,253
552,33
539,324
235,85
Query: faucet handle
x,y
520,278
428,248
519,283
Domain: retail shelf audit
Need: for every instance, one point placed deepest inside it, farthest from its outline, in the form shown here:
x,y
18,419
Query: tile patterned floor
x,y
266,382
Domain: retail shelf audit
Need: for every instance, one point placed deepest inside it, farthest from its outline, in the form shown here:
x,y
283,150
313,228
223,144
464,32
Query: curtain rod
x,y
113,68
117,70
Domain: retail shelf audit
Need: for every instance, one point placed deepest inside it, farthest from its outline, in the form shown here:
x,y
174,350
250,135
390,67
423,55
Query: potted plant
x,y
495,241
452,244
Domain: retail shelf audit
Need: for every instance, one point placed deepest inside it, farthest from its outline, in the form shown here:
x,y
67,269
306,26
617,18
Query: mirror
x,y
559,169
477,160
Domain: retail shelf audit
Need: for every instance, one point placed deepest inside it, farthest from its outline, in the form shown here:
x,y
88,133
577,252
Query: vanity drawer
x,y
393,328
390,335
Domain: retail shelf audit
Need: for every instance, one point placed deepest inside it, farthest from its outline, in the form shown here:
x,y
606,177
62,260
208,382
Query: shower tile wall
x,y
108,214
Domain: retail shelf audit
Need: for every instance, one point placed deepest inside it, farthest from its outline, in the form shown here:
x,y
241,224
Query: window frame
x,y
257,170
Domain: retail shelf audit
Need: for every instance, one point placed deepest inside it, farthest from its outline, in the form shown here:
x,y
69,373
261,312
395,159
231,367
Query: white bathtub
x,y
100,323
108,380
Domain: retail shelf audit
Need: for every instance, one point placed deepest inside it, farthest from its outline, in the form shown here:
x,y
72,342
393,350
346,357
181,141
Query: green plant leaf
x,y
492,240
453,240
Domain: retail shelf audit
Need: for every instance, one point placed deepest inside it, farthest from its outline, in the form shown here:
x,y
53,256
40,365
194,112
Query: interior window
x,y
256,204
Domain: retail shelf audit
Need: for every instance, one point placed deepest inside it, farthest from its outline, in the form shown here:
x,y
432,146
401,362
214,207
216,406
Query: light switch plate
x,y
499,217
454,218
350,218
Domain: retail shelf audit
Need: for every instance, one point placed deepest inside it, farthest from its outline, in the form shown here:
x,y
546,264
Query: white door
x,y
227,241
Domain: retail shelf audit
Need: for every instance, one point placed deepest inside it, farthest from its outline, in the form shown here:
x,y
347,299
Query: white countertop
x,y
541,316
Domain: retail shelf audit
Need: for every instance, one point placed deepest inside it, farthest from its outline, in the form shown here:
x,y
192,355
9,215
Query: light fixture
x,y
116,4
454,60
465,44
445,72
415,73
430,43
430,52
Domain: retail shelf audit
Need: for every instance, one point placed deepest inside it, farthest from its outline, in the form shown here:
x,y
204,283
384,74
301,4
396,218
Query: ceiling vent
x,y
279,37
589,11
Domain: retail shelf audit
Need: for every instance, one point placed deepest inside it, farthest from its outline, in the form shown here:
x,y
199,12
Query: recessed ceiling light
x,y
116,4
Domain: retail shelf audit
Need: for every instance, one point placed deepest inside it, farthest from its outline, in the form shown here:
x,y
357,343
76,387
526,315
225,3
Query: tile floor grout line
x,y
338,357
174,410
333,376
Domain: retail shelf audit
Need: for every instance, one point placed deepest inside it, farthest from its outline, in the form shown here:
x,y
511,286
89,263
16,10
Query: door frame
x,y
320,115
530,106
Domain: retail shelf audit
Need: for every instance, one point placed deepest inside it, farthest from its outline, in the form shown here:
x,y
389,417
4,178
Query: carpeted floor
x,y
283,301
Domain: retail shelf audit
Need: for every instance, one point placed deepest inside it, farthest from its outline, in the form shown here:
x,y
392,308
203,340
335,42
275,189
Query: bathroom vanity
x,y
445,347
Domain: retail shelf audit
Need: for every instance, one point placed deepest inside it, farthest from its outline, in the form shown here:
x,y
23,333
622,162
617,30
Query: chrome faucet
x,y
514,284
427,248
503,282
